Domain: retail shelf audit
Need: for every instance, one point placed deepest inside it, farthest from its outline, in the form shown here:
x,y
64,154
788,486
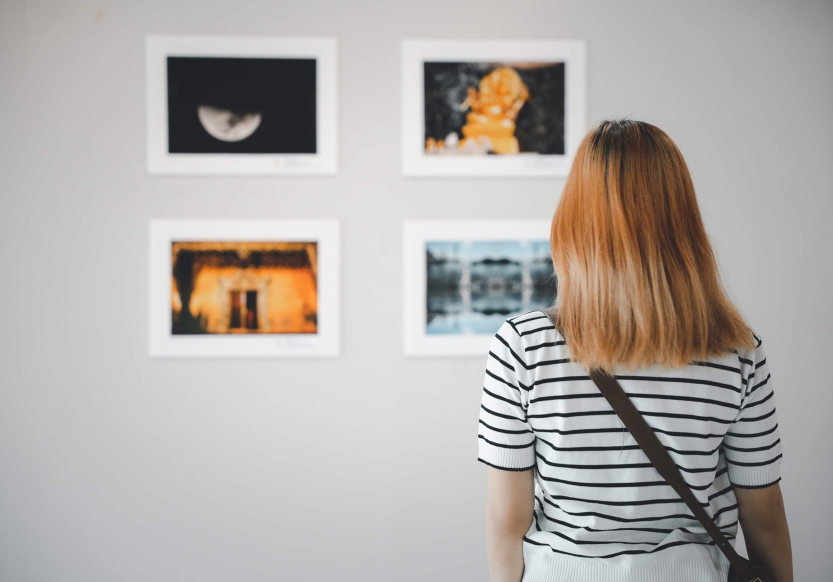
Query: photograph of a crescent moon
x,y
245,105
227,125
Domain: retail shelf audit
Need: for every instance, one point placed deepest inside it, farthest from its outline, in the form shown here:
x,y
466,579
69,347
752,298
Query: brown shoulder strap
x,y
662,461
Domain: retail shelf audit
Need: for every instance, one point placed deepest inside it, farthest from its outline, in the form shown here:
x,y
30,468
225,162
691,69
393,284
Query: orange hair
x,y
637,279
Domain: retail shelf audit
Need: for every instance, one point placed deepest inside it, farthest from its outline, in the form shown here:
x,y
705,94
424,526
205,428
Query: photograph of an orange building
x,y
239,287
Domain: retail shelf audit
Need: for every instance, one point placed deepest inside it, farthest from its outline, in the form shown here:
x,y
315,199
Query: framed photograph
x,y
463,279
491,108
235,105
244,288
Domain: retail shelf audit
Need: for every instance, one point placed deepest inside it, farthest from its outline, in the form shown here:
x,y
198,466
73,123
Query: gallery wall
x,y
116,466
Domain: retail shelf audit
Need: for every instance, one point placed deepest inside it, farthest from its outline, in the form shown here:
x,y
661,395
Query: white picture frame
x,y
161,161
415,236
323,342
415,53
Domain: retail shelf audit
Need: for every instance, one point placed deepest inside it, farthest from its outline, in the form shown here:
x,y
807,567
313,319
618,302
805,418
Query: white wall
x,y
117,467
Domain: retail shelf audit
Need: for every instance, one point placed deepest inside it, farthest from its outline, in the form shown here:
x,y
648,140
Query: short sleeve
x,y
753,446
505,440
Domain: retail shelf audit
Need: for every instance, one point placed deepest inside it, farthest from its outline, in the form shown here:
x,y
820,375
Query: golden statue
x,y
494,108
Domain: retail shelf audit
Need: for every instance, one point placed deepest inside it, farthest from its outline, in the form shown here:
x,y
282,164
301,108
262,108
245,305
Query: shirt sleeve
x,y
753,446
505,439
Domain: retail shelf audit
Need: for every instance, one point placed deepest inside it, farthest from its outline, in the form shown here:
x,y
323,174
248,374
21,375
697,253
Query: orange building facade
x,y
244,287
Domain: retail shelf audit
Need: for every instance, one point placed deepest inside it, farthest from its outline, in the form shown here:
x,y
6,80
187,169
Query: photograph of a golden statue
x,y
491,108
503,109
494,106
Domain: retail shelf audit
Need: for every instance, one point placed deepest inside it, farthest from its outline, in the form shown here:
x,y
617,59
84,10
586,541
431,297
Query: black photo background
x,y
277,96
540,122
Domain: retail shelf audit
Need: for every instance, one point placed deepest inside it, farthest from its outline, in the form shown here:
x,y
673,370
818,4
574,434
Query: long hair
x,y
637,279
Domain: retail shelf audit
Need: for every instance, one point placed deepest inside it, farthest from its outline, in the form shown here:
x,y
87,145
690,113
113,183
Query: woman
x,y
571,496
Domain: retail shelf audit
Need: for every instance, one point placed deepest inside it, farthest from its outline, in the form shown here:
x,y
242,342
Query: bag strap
x,y
662,461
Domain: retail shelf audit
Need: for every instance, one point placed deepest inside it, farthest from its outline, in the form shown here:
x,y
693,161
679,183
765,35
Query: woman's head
x,y
637,279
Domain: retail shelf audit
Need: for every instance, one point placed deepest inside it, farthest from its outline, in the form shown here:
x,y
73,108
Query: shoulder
x,y
751,356
530,324
752,362
528,332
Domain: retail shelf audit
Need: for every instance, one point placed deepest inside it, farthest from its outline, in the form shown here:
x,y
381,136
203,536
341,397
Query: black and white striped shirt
x,y
602,512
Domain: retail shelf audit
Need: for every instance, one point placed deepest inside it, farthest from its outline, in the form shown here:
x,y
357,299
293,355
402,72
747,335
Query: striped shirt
x,y
602,512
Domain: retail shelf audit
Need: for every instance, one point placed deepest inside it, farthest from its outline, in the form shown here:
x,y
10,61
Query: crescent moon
x,y
227,125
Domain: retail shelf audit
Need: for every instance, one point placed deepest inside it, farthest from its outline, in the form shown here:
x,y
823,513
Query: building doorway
x,y
243,313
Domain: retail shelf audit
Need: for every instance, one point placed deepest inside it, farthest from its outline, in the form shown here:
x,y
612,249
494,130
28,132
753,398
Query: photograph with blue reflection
x,y
474,286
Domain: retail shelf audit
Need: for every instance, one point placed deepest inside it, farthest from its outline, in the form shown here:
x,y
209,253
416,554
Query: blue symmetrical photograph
x,y
473,287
